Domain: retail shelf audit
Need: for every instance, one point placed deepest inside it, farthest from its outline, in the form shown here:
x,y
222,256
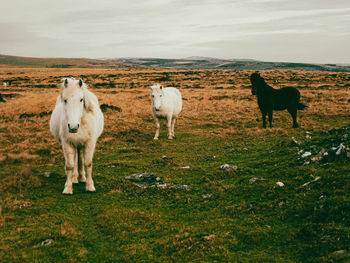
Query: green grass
x,y
222,217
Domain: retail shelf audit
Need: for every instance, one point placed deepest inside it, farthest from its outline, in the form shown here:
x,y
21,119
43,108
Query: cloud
x,y
170,28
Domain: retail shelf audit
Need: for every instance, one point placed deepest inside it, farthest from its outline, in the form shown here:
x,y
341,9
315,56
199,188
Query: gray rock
x,y
340,149
280,184
210,237
46,174
306,154
46,242
147,180
254,179
228,167
295,142
312,181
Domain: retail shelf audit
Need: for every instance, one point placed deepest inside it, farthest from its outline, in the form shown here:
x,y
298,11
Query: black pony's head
x,y
257,81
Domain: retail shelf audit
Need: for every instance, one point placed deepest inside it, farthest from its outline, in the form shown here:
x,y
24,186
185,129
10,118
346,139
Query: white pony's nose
x,y
73,129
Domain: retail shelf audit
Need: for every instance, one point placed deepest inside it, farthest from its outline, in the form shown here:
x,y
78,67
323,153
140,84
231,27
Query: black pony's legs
x,y
270,118
293,112
264,118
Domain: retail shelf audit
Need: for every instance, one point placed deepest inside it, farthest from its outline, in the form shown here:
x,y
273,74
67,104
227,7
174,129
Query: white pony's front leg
x,y
88,155
157,128
75,170
69,152
81,165
169,125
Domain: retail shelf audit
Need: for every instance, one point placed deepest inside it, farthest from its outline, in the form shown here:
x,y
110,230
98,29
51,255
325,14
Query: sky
x,y
311,31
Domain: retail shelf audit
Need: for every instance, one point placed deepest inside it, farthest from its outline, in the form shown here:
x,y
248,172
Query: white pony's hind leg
x,y
88,154
81,165
75,171
157,128
173,126
69,153
169,125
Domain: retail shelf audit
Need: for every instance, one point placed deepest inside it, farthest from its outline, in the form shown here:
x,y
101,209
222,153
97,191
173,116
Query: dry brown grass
x,y
218,99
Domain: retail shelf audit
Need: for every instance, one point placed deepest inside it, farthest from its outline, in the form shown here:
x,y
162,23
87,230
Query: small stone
x,y
46,174
206,196
340,149
254,179
280,204
315,180
280,184
185,167
46,242
306,154
295,142
210,237
308,135
228,167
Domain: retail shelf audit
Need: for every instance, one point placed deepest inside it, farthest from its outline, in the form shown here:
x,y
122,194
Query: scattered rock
x,y
280,184
308,135
206,196
210,237
147,180
331,146
228,167
306,154
340,149
46,242
185,167
281,204
254,179
315,180
46,174
295,142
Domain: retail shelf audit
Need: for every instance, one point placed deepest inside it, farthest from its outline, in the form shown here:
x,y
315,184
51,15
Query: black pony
x,y
270,99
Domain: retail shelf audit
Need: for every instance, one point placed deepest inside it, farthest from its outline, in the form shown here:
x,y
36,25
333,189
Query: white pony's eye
x,y
81,100
152,96
65,101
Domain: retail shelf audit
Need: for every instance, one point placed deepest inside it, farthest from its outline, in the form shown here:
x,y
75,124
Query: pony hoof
x,y
67,191
83,179
155,138
90,189
170,138
75,181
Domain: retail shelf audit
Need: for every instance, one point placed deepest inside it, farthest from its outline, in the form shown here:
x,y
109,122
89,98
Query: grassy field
x,y
224,216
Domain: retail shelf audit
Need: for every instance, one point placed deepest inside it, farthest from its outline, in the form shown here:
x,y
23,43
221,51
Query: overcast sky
x,y
315,31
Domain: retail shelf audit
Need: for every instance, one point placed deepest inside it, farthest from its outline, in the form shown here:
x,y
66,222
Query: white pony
x,y
77,122
166,103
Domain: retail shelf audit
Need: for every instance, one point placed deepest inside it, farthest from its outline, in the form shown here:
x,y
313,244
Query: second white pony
x,y
166,103
77,122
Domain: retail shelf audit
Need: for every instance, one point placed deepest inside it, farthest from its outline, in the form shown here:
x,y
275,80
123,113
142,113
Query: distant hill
x,y
186,63
62,62
215,63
